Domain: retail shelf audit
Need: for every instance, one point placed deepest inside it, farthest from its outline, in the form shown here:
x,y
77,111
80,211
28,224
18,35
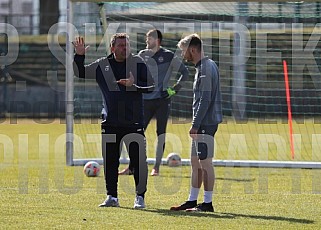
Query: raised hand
x,y
79,45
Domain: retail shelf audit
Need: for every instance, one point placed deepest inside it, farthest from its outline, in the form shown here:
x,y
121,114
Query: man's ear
x,y
112,49
192,50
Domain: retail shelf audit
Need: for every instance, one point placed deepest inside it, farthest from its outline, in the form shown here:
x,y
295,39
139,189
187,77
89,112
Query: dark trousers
x,y
112,142
160,109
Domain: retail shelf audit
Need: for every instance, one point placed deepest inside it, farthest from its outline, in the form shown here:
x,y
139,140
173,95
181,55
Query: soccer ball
x,y
174,160
92,169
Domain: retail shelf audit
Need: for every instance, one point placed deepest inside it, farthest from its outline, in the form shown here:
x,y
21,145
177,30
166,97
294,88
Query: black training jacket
x,y
124,105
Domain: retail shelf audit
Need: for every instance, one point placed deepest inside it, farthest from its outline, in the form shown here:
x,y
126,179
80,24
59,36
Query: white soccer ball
x,y
92,169
174,160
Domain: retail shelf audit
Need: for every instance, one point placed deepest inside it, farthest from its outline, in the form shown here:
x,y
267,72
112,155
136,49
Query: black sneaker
x,y
203,207
186,205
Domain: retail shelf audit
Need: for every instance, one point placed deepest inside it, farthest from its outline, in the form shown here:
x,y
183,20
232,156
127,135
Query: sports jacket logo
x,y
146,58
107,68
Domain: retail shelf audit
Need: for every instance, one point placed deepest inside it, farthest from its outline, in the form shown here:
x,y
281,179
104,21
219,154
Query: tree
x,y
49,14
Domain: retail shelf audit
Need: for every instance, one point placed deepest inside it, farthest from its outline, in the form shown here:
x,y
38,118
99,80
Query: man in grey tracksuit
x,y
207,114
162,63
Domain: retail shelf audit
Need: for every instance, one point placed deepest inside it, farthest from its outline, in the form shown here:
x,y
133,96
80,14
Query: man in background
x,y
162,63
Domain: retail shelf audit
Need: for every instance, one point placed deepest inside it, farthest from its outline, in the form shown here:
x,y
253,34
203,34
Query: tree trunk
x,y
49,14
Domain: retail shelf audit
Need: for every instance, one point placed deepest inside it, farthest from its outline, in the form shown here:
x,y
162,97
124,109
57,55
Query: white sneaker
x,y
110,202
139,202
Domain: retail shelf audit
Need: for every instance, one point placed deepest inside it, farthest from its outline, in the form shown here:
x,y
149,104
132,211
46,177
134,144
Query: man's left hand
x,y
127,81
193,133
168,93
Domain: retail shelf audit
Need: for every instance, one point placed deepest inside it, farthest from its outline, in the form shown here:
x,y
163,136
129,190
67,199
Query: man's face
x,y
186,54
151,42
121,49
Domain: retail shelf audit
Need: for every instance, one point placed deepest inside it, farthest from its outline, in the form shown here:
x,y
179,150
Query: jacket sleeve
x,y
205,90
84,71
144,82
180,67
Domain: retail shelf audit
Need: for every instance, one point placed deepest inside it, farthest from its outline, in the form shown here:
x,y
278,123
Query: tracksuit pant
x,y
112,142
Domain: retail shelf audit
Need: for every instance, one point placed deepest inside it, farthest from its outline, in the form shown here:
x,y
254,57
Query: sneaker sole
x,y
197,210
176,209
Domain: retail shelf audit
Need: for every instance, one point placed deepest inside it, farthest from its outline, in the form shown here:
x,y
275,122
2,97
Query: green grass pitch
x,y
38,191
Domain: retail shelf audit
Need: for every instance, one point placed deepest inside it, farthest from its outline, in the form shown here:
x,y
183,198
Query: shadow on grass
x,y
277,218
167,212
225,215
218,178
235,179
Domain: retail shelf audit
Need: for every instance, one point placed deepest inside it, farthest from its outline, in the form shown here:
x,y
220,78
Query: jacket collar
x,y
200,61
111,56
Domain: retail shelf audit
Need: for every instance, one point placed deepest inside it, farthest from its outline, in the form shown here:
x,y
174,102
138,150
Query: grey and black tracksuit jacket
x,y
124,105
207,109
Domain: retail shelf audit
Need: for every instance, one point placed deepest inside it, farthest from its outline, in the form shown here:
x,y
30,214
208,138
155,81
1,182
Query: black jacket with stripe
x,y
124,105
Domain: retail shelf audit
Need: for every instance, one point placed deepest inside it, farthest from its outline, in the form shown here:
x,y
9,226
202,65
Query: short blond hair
x,y
191,40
